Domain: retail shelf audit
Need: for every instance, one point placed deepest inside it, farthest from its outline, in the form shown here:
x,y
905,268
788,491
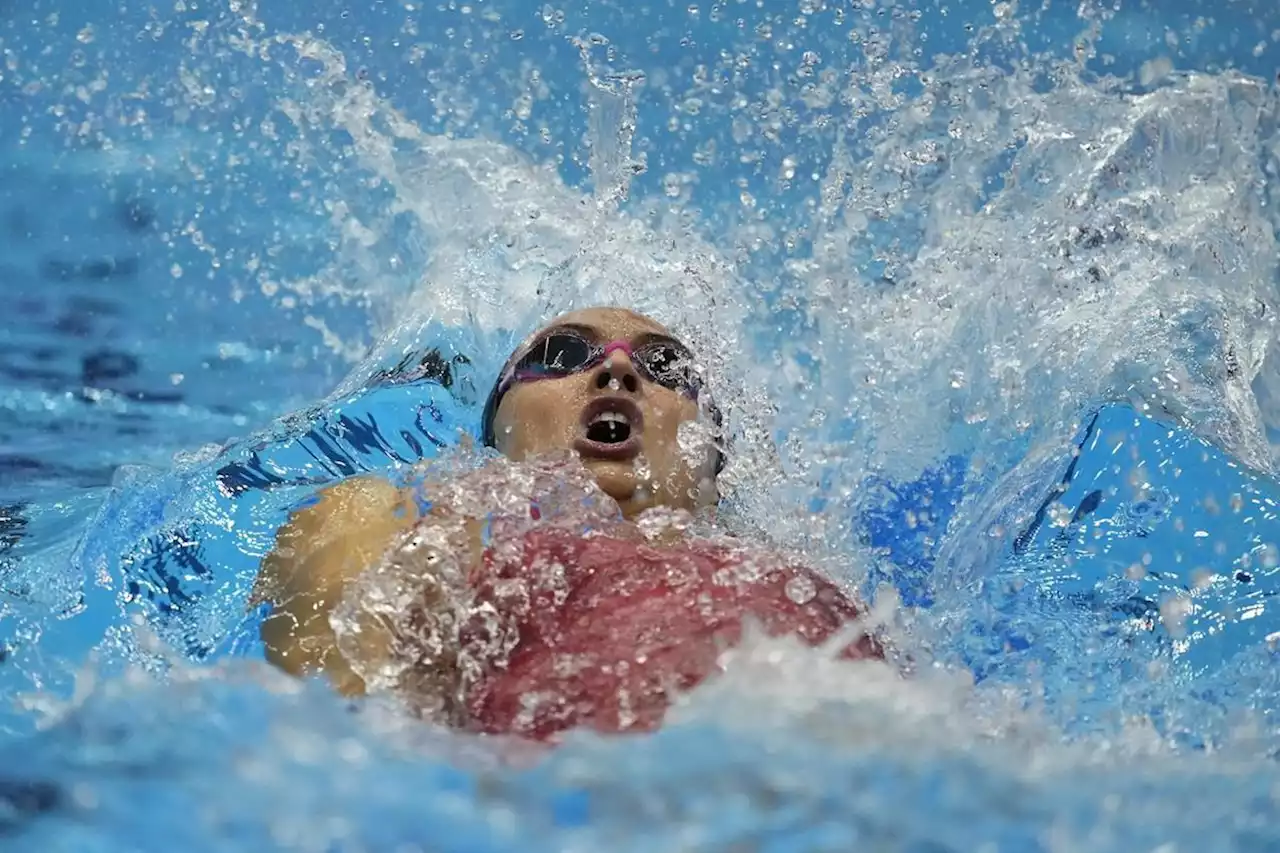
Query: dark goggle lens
x,y
558,354
670,365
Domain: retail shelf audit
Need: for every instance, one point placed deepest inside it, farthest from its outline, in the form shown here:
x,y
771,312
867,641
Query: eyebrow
x,y
592,334
584,330
656,337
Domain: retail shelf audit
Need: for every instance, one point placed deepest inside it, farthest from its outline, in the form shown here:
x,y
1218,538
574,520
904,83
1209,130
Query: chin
x,y
617,478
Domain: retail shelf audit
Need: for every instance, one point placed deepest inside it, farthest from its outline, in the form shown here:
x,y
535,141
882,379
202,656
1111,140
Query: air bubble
x,y
800,589
1173,615
523,107
1269,556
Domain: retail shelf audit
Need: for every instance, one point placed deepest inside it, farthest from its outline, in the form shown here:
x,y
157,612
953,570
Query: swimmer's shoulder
x,y
328,541
335,535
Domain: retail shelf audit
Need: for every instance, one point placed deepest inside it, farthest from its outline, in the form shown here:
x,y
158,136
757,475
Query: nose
x,y
617,373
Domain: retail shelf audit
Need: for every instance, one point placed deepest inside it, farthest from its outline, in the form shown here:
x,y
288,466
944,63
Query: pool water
x,y
989,296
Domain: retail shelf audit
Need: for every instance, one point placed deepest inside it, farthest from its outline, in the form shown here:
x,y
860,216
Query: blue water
x,y
250,252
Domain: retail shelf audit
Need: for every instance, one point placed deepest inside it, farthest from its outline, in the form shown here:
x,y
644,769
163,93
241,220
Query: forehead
x,y
613,323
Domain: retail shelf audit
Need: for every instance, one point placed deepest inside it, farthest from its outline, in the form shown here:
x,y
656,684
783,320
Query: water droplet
x,y
1155,70
1173,615
1269,556
694,439
800,589
523,107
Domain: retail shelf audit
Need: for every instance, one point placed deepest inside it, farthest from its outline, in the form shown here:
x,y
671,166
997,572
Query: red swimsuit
x,y
599,631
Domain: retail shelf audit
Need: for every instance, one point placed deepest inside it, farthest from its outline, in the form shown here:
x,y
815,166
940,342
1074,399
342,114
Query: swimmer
x,y
633,621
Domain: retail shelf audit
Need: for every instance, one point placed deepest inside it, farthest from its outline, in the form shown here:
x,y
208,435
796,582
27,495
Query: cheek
x,y
538,418
672,416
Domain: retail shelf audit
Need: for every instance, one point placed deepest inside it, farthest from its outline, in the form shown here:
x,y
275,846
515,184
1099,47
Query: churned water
x,y
988,292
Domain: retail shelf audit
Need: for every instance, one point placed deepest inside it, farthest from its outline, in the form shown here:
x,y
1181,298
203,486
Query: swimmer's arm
x,y
319,550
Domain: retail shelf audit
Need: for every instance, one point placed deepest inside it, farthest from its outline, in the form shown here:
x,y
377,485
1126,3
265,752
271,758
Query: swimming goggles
x,y
561,352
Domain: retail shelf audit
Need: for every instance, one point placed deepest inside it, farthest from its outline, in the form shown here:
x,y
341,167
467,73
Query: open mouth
x,y
610,429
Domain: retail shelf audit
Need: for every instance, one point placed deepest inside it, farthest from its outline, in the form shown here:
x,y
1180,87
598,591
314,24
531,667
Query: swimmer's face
x,y
618,415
